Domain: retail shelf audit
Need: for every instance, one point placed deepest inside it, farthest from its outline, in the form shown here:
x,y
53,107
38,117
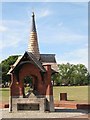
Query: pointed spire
x,y
33,42
33,23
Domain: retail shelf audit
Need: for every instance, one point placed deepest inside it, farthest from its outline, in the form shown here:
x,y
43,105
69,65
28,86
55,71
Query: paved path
x,y
59,113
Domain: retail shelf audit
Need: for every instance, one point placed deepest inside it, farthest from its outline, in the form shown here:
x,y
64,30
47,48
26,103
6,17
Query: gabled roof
x,y
47,58
31,58
14,65
37,62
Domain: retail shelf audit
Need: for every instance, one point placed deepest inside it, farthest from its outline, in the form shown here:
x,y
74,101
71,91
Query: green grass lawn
x,y
74,93
4,93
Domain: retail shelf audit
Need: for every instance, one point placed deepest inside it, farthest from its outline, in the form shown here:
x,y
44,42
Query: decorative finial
x,y
32,11
33,46
33,23
33,14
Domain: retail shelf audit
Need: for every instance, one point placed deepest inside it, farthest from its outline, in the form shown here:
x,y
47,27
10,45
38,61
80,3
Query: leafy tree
x,y
65,71
5,65
80,74
0,74
56,79
70,74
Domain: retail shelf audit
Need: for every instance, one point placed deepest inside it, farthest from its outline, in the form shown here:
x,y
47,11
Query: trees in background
x,y
5,66
69,74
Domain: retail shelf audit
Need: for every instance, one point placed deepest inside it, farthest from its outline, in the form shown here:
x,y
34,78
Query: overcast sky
x,y
62,29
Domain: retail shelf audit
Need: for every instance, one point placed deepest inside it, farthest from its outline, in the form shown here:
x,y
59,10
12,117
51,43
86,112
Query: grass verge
x,y
74,93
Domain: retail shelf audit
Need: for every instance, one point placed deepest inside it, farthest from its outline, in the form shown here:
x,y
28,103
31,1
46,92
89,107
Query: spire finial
x,y
33,43
32,11
33,23
33,14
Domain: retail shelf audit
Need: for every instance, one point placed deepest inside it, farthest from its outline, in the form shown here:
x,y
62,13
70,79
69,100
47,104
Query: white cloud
x,y
11,41
3,28
78,56
44,13
40,13
13,34
64,37
12,22
71,37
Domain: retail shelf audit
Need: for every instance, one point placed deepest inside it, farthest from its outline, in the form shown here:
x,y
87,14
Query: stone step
x,y
72,105
63,104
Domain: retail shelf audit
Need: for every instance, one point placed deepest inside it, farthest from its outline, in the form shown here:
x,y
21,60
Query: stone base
x,y
59,113
28,104
50,103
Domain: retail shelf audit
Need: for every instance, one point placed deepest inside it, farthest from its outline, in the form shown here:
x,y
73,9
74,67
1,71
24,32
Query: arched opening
x,y
30,85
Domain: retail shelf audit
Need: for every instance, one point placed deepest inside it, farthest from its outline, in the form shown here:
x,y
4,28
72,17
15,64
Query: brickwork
x,y
30,65
44,87
41,84
30,69
27,70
